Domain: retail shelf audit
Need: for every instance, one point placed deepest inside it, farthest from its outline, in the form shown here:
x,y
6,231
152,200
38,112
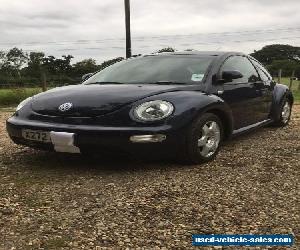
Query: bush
x,y
15,96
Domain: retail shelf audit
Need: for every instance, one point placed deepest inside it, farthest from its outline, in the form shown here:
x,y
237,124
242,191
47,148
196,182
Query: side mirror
x,y
228,76
86,76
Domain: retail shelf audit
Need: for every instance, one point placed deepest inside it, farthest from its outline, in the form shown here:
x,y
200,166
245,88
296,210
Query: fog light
x,y
147,138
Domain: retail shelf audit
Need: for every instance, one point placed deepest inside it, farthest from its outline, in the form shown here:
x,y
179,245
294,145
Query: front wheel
x,y
203,139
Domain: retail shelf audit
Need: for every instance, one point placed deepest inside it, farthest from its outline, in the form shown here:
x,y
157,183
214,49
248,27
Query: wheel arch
x,y
280,92
225,118
220,108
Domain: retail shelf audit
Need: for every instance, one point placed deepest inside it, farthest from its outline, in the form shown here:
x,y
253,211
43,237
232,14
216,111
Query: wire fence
x,y
291,81
49,82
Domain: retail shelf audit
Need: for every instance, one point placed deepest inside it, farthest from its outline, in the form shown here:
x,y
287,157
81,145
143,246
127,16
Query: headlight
x,y
153,111
23,103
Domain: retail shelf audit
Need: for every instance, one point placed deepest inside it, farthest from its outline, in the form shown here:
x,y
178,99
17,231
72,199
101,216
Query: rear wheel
x,y
203,139
285,113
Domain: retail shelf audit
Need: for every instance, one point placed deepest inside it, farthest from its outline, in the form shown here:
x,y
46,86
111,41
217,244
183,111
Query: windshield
x,y
172,69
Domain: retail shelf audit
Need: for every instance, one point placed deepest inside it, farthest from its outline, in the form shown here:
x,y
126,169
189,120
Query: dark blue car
x,y
184,104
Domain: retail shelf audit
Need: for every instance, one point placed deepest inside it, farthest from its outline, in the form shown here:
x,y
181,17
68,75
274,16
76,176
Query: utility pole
x,y
127,24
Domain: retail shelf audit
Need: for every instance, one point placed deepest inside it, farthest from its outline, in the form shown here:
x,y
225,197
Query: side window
x,y
244,66
265,76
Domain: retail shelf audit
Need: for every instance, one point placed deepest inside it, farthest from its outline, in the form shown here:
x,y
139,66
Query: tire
x,y
285,113
203,139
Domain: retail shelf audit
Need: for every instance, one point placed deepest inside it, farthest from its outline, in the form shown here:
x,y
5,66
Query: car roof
x,y
199,53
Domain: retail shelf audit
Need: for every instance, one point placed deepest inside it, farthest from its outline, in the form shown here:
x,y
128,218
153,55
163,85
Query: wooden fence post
x,y
44,81
279,75
291,79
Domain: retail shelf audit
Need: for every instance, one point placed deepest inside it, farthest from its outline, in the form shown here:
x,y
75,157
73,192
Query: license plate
x,y
40,136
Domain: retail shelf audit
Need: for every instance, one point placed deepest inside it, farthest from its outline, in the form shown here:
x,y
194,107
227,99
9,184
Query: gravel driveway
x,y
55,201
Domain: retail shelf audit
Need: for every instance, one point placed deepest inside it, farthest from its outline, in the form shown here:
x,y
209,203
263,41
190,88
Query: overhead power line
x,y
191,44
142,38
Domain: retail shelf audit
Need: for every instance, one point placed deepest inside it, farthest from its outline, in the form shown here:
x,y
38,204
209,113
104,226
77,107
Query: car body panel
x,y
102,114
94,99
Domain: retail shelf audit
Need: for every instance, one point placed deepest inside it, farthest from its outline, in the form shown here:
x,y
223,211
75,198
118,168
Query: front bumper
x,y
99,138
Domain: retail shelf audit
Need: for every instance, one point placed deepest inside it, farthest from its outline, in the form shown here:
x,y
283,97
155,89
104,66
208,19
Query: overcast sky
x,y
95,28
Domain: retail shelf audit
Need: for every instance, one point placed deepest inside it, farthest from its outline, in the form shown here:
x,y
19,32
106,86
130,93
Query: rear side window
x,y
244,66
265,76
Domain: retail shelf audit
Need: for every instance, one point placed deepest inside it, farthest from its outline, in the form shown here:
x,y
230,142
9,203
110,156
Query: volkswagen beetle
x,y
183,103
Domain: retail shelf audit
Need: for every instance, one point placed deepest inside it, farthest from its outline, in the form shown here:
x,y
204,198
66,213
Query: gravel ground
x,y
55,201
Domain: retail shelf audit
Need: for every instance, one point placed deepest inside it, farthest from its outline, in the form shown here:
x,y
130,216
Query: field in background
x,y
11,97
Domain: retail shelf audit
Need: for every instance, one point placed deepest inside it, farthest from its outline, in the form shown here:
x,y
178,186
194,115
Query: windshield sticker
x,y
197,77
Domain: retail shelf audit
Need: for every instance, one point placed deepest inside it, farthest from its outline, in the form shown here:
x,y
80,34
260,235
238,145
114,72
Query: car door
x,y
242,94
266,88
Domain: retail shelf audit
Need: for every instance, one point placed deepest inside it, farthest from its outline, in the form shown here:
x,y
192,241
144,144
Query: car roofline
x,y
196,53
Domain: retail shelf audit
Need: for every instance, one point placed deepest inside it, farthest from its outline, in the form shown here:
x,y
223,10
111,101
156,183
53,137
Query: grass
x,y
297,97
12,97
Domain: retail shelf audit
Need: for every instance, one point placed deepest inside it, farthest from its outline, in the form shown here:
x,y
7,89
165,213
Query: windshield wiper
x,y
158,82
105,83
167,83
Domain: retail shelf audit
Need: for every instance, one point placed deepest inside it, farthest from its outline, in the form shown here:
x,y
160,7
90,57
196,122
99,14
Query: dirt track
x,y
58,201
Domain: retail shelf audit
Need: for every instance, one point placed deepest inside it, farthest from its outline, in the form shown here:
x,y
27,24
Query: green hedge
x,y
11,97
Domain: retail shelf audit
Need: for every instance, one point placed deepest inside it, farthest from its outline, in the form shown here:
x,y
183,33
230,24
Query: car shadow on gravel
x,y
44,161
113,162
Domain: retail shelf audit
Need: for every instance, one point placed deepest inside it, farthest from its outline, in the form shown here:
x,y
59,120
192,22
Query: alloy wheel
x,y
210,138
286,112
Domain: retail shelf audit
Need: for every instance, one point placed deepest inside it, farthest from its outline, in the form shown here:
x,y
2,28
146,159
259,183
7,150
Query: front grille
x,y
63,119
78,112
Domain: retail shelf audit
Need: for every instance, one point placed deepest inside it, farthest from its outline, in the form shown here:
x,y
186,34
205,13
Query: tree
x,y
15,59
277,52
49,63
35,64
168,49
2,58
279,56
287,67
84,67
2,68
35,59
65,63
58,65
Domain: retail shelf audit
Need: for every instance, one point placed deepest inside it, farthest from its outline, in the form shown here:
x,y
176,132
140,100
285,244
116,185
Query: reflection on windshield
x,y
171,69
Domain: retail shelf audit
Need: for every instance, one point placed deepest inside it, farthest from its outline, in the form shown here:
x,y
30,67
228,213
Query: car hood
x,y
95,99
